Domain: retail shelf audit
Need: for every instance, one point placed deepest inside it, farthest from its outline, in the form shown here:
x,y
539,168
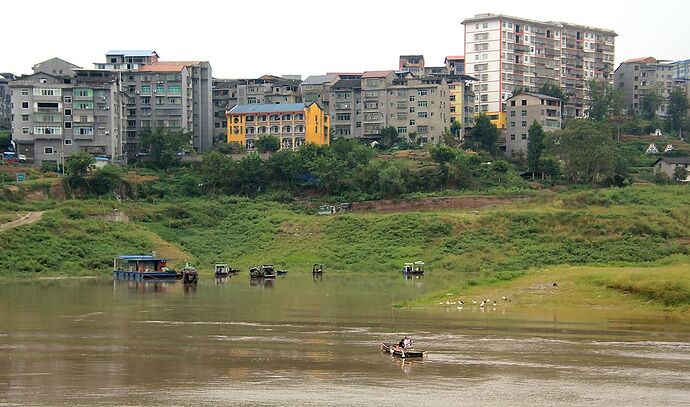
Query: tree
x,y
535,145
585,149
388,136
484,135
651,102
551,168
164,145
456,129
216,170
447,138
230,148
605,100
391,182
77,165
106,180
252,174
267,144
677,109
680,174
5,138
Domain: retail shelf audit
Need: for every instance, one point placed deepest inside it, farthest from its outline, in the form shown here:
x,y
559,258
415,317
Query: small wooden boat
x,y
395,350
281,272
222,270
263,271
317,269
416,268
189,275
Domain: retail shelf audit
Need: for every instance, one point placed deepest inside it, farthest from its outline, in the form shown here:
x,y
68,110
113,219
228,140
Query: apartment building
x,y
524,109
455,64
224,97
412,63
293,123
637,77
173,94
316,88
56,115
345,108
5,100
461,100
681,69
269,89
506,53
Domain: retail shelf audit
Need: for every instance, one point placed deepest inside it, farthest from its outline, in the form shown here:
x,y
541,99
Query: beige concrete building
x,y
316,88
637,77
345,108
506,53
523,110
412,63
269,89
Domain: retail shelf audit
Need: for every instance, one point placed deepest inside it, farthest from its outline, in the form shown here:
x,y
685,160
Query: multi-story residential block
x,y
5,100
506,53
316,88
224,96
269,89
412,63
56,115
461,100
681,69
375,102
523,110
637,77
173,94
293,123
345,108
455,64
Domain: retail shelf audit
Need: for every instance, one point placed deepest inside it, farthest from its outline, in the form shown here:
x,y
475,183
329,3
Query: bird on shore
x,y
494,303
504,298
474,302
482,304
461,302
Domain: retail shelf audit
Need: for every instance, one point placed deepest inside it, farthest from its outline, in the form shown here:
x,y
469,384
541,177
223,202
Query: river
x,y
299,341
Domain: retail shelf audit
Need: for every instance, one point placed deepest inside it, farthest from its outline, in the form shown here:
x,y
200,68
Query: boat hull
x,y
402,353
145,275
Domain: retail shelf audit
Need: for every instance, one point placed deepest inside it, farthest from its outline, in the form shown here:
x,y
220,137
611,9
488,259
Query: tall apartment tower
x,y
5,100
506,53
345,108
224,97
61,109
636,78
173,94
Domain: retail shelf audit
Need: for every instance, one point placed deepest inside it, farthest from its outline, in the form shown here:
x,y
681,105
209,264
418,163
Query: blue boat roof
x,y
140,257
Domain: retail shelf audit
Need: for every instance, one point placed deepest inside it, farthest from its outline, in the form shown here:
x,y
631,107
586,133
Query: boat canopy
x,y
139,257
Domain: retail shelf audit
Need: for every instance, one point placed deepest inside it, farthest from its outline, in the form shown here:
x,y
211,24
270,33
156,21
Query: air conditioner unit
x,y
137,92
107,132
107,108
160,82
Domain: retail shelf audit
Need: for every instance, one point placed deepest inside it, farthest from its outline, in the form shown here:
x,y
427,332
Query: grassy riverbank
x,y
469,248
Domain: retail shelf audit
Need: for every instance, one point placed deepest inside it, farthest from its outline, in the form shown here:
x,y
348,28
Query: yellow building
x,y
292,123
498,119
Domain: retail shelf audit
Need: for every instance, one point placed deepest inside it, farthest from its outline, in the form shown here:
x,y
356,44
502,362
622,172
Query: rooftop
x,y
376,74
491,16
167,66
319,79
132,53
646,60
455,58
140,257
348,84
269,108
537,95
674,160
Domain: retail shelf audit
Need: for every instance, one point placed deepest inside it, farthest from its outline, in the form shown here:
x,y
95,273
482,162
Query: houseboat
x,y
142,267
189,275
222,270
416,268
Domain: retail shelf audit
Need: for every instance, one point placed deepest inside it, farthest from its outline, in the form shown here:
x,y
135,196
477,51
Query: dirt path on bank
x,y
29,218
429,204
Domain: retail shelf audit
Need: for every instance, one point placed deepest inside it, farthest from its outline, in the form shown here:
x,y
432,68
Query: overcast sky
x,y
251,38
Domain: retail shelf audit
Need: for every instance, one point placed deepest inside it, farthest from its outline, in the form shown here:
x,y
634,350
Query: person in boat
x,y
407,343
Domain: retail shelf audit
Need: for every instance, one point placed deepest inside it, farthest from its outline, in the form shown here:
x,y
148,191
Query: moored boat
x,y
189,275
400,352
263,271
142,267
416,268
222,270
317,268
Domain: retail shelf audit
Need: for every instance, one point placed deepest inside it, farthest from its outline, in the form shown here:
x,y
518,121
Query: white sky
x,y
248,38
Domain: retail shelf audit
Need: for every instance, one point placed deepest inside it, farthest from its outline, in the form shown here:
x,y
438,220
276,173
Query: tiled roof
x,y
348,84
376,74
647,60
455,57
674,160
167,66
268,108
319,79
538,95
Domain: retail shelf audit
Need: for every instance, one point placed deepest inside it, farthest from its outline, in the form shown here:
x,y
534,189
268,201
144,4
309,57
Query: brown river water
x,y
302,342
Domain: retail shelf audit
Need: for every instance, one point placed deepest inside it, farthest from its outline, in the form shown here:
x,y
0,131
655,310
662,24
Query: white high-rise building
x,y
506,53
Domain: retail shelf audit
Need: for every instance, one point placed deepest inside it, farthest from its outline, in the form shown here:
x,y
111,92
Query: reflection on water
x,y
315,341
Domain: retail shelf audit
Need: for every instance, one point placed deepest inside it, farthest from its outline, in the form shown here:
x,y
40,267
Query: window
x,y
25,105
413,122
481,67
412,110
422,115
523,113
173,88
423,92
25,117
48,150
524,123
402,130
25,130
512,137
524,136
68,112
512,124
68,125
84,131
287,117
145,88
481,36
512,103
412,98
160,87
342,116
370,105
423,103
25,92
68,141
524,102
481,47
512,113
